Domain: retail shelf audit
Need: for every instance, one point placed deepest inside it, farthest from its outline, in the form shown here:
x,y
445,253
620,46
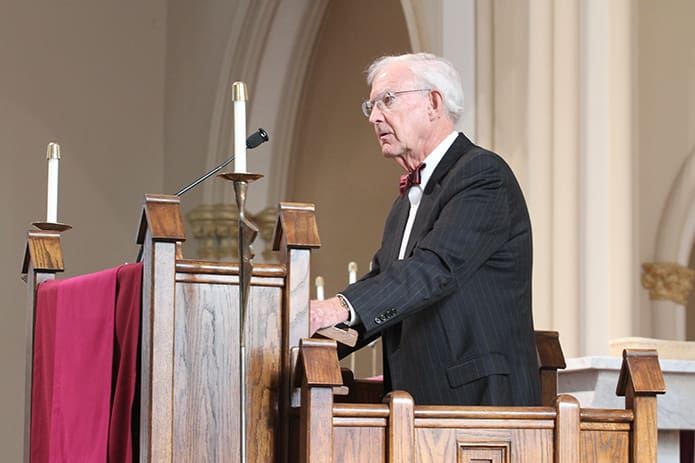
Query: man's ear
x,y
436,104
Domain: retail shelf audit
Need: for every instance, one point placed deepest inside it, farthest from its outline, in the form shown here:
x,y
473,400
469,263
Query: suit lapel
x,y
458,149
395,228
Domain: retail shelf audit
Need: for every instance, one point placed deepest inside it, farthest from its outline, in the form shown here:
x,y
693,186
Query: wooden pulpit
x,y
398,430
190,364
190,348
189,338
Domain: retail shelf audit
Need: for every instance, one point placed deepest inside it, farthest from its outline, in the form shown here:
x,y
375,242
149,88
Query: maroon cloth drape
x,y
124,425
85,367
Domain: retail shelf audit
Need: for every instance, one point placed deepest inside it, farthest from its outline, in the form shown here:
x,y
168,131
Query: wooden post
x,y
566,429
43,258
296,234
550,358
401,427
640,381
319,372
161,228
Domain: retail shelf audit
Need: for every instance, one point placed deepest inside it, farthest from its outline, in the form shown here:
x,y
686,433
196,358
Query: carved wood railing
x,y
399,430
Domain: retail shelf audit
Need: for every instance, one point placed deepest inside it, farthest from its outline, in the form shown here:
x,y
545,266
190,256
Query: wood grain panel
x,y
444,446
206,377
156,412
44,251
604,446
357,444
264,363
206,374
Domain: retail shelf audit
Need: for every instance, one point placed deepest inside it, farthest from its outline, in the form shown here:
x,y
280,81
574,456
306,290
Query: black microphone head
x,y
256,138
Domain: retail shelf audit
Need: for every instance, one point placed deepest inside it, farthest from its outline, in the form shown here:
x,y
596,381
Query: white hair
x,y
433,72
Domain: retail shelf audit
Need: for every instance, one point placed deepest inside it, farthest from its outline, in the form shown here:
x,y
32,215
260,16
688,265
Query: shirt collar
x,y
432,159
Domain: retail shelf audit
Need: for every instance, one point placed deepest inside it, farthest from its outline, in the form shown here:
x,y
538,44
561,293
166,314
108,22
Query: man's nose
x,y
376,115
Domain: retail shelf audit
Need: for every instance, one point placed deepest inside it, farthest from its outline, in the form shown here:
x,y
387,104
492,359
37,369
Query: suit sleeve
x,y
470,221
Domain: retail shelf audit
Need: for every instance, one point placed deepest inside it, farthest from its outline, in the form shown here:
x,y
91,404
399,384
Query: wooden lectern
x,y
189,338
189,372
190,333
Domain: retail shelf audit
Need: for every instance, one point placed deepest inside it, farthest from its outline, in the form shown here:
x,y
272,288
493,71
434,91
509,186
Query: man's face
x,y
401,126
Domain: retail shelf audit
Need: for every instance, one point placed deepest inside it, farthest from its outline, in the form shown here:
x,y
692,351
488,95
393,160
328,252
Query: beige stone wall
x,y
337,163
134,97
87,75
665,136
599,139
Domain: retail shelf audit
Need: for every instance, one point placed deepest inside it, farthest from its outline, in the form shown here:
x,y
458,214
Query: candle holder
x,y
52,226
248,231
247,234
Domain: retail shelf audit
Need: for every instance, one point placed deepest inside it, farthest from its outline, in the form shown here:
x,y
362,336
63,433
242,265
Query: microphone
x,y
257,138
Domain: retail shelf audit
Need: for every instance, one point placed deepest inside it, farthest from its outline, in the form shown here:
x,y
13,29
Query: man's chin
x,y
387,150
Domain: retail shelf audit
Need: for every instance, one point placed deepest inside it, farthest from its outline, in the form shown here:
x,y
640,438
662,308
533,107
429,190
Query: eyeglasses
x,y
385,100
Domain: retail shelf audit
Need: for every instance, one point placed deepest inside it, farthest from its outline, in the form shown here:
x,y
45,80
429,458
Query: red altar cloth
x,y
85,367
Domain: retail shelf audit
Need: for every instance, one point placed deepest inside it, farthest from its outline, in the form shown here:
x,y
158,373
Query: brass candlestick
x,y
247,234
52,226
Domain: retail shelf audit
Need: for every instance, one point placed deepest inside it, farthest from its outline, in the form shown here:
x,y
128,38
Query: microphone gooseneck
x,y
258,137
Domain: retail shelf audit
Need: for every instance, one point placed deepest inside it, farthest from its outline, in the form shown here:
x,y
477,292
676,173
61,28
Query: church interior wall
x,y
666,140
87,75
133,95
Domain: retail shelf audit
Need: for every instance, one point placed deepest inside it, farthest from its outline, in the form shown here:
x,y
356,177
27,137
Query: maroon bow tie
x,y
410,179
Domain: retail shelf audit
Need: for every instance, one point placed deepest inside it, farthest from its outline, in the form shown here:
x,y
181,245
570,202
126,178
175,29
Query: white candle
x,y
319,289
53,156
239,96
352,272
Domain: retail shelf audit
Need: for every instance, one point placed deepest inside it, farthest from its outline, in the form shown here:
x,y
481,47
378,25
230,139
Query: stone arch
x,y
675,241
247,56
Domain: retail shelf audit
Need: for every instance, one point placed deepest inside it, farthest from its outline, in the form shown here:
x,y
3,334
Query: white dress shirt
x,y
415,191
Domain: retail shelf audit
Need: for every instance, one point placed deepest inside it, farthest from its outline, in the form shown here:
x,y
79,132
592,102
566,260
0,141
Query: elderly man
x,y
450,287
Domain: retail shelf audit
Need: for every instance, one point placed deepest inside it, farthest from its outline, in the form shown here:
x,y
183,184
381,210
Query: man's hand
x,y
326,313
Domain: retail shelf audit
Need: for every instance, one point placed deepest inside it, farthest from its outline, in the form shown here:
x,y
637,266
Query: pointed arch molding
x,y
241,60
410,12
248,45
675,240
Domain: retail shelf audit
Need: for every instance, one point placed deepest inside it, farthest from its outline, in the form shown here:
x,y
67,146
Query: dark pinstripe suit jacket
x,y
455,314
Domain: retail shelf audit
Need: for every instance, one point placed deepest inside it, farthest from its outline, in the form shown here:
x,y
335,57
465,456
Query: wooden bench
x,y
550,359
398,430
